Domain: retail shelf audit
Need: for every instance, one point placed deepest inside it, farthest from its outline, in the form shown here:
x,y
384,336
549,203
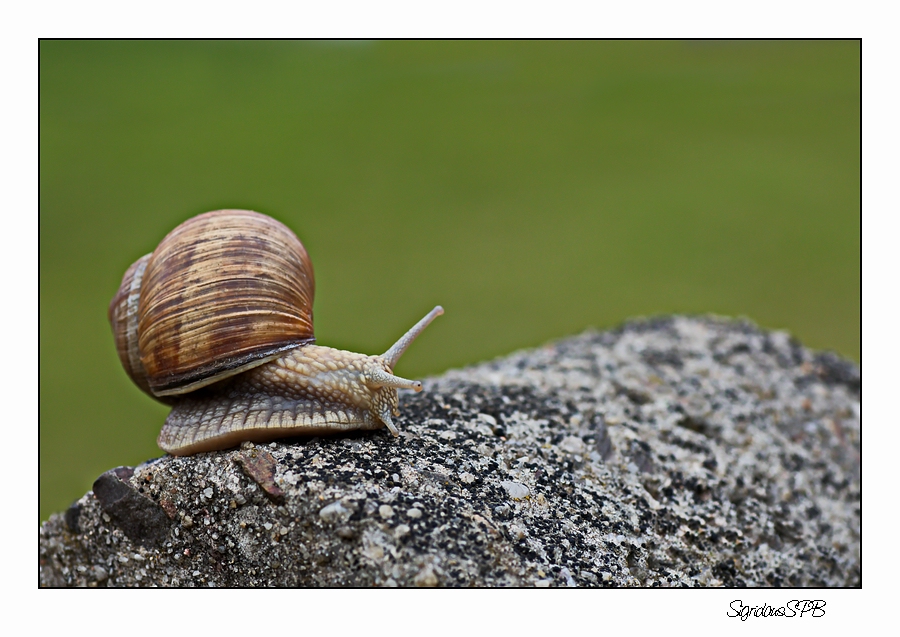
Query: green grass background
x,y
533,189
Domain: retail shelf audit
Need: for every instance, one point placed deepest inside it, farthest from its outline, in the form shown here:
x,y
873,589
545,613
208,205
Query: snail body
x,y
217,322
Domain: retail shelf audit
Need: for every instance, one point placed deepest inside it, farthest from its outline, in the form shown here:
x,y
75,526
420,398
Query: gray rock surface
x,y
670,452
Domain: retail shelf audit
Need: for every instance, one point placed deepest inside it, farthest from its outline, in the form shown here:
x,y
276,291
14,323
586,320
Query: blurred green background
x,y
533,189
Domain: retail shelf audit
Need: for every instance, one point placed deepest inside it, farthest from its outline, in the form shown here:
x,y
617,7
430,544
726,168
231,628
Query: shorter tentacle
x,y
384,412
380,378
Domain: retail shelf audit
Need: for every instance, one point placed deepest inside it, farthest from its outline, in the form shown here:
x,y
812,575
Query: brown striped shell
x,y
222,293
123,316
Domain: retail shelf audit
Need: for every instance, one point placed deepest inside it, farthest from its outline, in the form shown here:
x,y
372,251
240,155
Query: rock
x,y
670,452
139,517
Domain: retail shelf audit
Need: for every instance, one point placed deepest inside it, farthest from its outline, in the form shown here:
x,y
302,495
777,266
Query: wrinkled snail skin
x,y
311,390
217,322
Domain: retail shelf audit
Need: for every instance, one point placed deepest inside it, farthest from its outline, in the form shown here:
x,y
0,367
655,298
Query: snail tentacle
x,y
396,350
380,378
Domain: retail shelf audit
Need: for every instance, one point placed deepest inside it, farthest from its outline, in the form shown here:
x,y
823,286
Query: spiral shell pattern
x,y
223,292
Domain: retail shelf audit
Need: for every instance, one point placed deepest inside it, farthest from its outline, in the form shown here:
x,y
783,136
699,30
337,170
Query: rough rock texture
x,y
671,452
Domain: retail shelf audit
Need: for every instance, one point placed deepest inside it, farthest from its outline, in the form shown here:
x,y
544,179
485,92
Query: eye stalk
x,y
396,350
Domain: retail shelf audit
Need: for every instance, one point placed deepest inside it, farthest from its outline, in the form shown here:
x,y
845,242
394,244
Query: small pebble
x,y
516,490
426,577
346,533
572,444
516,532
400,531
413,513
334,513
386,511
488,418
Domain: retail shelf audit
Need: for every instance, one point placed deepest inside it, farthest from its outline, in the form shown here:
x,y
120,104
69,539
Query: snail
x,y
217,322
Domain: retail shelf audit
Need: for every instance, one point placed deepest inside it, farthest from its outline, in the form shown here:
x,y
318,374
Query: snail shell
x,y
223,292
229,294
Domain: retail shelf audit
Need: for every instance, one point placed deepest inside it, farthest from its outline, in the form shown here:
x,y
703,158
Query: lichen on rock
x,y
679,451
